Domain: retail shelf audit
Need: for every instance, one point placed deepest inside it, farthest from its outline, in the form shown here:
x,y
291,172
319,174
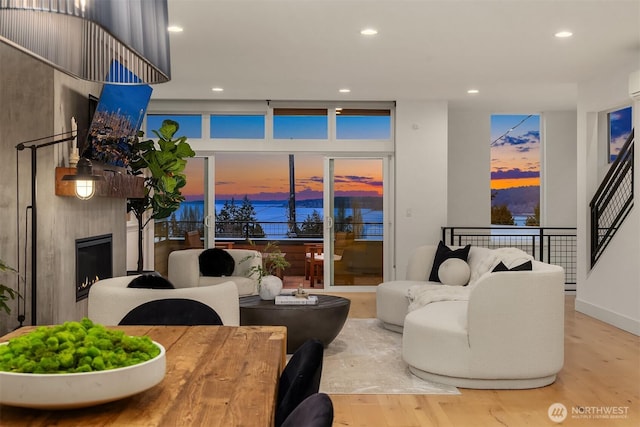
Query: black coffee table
x,y
323,321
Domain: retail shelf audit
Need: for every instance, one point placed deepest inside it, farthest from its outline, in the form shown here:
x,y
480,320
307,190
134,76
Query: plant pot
x,y
270,287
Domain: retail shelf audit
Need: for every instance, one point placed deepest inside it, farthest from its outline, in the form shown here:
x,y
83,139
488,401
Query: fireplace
x,y
93,262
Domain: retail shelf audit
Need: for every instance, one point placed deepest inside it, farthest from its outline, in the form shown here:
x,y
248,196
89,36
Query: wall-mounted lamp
x,y
84,172
84,179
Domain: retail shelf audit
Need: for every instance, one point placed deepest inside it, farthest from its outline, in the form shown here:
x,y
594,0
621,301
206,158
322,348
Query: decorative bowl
x,y
78,390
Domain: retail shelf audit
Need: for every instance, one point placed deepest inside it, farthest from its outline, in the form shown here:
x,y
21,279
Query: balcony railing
x,y
272,230
553,245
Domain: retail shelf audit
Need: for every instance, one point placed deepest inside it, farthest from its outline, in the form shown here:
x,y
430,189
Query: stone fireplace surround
x,y
38,101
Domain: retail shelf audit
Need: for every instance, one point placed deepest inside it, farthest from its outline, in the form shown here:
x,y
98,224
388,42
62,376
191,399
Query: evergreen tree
x,y
358,226
248,219
224,219
312,225
238,221
342,221
174,229
501,215
534,221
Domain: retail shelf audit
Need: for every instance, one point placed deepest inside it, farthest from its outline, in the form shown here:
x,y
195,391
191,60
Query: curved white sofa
x,y
392,303
184,270
509,334
110,299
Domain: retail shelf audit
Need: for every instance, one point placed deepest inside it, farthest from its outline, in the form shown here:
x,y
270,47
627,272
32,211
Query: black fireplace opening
x,y
93,262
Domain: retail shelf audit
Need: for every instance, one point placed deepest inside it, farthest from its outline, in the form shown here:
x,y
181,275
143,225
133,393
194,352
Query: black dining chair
x,y
315,411
172,311
299,379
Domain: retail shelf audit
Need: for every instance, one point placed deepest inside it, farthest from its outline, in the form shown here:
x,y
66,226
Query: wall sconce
x,y
84,179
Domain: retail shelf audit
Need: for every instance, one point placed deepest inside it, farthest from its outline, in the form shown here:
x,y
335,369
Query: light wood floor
x,y
601,369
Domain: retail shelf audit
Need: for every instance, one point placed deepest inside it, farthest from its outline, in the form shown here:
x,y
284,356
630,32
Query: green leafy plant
x,y
273,262
165,163
6,293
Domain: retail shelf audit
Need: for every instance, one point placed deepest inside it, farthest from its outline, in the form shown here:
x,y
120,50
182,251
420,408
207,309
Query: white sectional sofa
x,y
505,330
184,270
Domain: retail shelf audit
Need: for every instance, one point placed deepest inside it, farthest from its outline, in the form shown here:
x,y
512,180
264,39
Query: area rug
x,y
366,358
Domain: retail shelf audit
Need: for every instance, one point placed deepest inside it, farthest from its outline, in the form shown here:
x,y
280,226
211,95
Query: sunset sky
x,y
266,177
620,128
515,162
515,157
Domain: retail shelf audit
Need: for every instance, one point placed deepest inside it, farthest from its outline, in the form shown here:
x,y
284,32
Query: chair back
x,y
192,240
315,411
299,379
110,300
172,311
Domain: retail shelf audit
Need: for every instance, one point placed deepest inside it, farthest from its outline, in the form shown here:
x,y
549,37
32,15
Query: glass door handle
x,y
329,222
207,221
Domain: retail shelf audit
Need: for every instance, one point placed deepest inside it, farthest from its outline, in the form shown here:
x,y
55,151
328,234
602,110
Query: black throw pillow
x,y
216,262
525,266
443,253
150,281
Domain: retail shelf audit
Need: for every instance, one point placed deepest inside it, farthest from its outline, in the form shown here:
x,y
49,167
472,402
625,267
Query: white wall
x,y
469,165
558,169
420,177
469,160
611,290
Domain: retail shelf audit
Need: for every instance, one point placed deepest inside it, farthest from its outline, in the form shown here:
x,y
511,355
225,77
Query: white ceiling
x,y
425,50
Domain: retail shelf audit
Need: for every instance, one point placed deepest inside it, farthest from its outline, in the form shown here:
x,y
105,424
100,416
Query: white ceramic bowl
x,y
77,390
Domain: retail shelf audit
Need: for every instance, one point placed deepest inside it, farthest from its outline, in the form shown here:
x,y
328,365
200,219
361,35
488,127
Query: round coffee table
x,y
322,321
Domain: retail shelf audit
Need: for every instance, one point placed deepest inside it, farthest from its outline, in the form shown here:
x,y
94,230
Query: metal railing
x,y
553,245
274,230
613,201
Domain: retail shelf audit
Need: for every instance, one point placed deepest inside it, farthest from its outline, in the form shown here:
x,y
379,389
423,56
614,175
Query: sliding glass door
x,y
354,232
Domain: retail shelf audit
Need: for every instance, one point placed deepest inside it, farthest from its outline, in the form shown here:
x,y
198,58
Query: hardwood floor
x,y
601,371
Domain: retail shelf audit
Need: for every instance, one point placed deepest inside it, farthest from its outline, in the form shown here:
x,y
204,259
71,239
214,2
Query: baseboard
x,y
615,319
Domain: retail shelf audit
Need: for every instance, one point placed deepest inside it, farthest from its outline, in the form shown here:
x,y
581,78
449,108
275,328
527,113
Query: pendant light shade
x,y
84,38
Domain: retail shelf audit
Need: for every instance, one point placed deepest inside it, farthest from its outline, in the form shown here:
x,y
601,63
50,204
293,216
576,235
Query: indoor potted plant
x,y
165,163
273,263
6,293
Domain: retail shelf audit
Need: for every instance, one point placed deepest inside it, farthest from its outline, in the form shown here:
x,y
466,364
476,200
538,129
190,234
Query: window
x,y
190,124
255,188
363,124
300,123
619,130
515,170
237,126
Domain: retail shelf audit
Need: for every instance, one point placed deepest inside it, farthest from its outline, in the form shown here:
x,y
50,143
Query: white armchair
x,y
184,270
110,300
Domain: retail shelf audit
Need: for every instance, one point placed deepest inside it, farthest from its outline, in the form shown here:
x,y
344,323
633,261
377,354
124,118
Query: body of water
x,y
277,211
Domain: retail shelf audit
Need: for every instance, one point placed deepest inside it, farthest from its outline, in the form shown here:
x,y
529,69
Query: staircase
x,y
613,201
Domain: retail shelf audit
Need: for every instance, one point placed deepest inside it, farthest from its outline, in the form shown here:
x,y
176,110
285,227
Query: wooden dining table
x,y
215,376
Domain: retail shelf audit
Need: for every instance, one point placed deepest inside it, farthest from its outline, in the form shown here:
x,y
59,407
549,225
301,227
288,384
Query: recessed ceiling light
x,y
344,90
563,34
217,89
369,32
175,29
473,91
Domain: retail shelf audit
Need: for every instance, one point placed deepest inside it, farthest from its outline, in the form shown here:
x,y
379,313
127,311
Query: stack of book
x,y
294,300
